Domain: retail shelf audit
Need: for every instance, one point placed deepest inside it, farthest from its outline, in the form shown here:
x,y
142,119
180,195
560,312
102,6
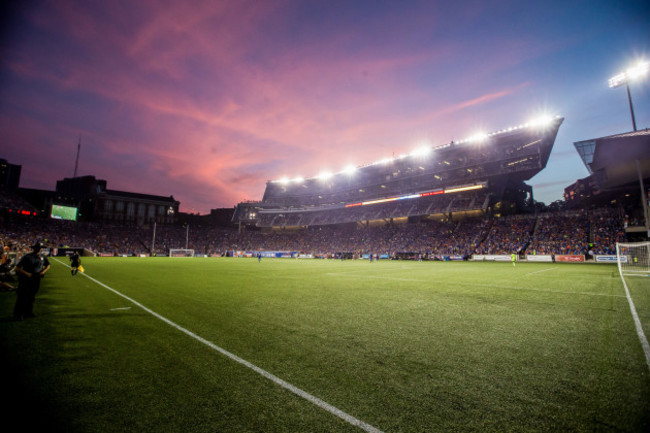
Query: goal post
x,y
633,258
181,252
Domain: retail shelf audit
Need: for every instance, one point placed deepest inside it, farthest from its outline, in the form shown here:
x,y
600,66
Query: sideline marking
x,y
284,384
543,270
637,321
120,308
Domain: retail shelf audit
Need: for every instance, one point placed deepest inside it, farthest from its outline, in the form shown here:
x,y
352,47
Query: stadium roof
x,y
614,157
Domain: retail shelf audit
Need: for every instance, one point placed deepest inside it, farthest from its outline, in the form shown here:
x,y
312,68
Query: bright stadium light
x,y
541,121
478,137
636,72
299,179
421,151
349,170
284,180
324,175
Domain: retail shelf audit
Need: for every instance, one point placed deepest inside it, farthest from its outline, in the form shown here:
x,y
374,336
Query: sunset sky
x,y
207,100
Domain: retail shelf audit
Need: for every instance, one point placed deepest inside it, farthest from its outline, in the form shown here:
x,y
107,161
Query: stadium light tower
x,y
634,73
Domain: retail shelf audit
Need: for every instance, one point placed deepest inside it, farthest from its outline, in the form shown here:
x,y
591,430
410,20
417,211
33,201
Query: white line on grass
x,y
374,277
381,277
543,270
637,323
561,292
120,308
284,384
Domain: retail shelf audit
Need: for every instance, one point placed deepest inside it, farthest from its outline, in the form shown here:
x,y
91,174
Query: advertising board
x,y
569,258
539,258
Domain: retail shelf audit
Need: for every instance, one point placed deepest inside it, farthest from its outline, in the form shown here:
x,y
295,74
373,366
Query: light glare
x,y
325,175
421,151
478,137
542,121
638,71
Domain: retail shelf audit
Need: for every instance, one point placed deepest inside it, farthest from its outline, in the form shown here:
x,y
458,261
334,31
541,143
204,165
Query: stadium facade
x,y
472,175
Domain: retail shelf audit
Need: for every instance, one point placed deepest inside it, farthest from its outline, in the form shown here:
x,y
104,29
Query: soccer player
x,y
513,257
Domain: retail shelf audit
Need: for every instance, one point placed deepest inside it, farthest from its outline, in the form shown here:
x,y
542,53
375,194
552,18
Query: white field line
x,y
374,277
284,384
561,292
637,323
120,308
533,289
536,272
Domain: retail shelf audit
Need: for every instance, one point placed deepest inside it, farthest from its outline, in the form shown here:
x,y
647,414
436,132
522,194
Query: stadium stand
x,y
470,175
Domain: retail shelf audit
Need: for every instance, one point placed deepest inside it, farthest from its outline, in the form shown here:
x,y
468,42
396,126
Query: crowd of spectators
x,y
560,233
508,235
607,228
563,233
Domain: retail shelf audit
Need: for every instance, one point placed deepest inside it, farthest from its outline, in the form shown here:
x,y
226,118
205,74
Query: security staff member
x,y
30,269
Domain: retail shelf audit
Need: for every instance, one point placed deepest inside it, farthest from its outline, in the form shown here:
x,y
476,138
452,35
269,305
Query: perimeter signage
x,y
566,258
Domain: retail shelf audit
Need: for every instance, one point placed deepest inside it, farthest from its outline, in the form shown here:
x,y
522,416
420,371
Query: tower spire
x,y
76,163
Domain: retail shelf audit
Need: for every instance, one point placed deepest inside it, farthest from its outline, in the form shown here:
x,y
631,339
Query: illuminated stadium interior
x,y
459,176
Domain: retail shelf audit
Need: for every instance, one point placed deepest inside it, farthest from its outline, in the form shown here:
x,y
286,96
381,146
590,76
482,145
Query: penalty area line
x,y
537,272
284,384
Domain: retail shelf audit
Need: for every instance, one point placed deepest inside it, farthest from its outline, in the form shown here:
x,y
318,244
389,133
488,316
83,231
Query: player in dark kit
x,y
30,269
75,262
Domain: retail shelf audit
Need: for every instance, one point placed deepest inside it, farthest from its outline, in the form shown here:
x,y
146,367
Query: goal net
x,y
180,252
633,258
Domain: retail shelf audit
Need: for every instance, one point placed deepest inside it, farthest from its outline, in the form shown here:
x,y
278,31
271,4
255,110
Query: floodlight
x,y
634,73
638,71
617,80
421,151
541,121
478,137
299,179
284,180
325,175
349,170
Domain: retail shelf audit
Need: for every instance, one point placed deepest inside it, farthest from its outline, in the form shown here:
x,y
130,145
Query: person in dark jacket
x,y
75,262
30,269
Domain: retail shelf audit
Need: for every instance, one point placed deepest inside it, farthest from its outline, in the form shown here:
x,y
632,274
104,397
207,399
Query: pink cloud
x,y
193,97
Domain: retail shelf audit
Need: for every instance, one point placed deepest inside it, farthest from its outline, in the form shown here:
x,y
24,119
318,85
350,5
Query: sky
x,y
208,100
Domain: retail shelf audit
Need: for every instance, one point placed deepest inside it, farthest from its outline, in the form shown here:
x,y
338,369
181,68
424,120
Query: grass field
x,y
401,346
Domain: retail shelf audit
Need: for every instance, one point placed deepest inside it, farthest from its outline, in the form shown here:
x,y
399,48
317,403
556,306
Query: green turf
x,y
402,346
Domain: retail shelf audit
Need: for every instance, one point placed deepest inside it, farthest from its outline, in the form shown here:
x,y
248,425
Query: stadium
x,y
471,175
491,314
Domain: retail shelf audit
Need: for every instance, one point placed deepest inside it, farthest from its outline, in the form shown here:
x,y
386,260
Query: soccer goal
x,y
633,258
181,252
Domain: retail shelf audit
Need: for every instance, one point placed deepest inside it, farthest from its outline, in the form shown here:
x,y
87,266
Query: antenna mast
x,y
76,163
